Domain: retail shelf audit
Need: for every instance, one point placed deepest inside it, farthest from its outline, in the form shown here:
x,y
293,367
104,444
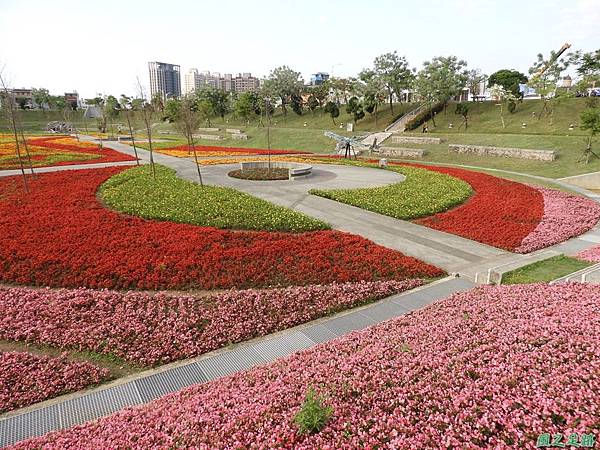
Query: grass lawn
x,y
545,270
567,148
171,198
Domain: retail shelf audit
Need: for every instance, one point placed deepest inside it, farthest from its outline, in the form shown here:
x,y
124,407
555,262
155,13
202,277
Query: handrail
x,y
411,112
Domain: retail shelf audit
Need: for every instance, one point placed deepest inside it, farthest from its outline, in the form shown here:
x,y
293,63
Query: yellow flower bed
x,y
299,159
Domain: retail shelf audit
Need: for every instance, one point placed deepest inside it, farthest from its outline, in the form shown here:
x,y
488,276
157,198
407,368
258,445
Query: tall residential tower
x,y
164,79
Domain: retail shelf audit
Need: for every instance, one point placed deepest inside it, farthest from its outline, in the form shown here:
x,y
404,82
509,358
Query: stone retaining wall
x,y
210,137
233,130
209,130
415,140
239,136
406,152
508,152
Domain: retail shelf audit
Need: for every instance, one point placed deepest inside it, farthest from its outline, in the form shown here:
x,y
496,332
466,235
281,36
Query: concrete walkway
x,y
447,251
78,408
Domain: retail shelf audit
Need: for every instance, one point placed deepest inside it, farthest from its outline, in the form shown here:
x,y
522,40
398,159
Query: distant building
x,y
318,78
165,79
23,98
72,98
566,82
245,82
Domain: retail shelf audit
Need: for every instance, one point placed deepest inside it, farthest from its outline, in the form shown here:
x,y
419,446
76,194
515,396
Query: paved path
x,y
447,251
69,410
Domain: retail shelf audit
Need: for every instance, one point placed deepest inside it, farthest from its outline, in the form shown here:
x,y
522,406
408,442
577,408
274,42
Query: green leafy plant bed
x,y
168,197
545,270
421,194
261,174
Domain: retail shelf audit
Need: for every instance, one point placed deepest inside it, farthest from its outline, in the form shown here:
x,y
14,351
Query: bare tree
x,y
187,118
128,106
147,113
11,115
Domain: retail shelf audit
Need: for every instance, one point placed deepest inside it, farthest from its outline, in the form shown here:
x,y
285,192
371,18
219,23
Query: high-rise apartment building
x,y
246,82
195,80
164,79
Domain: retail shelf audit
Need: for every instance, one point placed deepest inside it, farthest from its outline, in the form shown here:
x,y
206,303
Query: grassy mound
x,y
171,198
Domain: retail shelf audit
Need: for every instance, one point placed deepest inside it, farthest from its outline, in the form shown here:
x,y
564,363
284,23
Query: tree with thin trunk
x,y
394,73
147,113
283,82
590,120
8,107
184,114
129,106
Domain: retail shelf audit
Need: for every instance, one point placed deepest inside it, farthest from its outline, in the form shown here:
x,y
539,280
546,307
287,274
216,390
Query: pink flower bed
x,y
151,329
490,368
565,216
26,378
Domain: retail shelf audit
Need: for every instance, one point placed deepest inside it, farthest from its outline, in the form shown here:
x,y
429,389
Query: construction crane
x,y
552,60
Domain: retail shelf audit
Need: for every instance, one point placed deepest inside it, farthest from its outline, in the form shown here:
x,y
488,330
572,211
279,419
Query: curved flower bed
x,y
58,234
565,216
149,330
471,371
591,254
165,196
500,213
26,378
422,193
58,151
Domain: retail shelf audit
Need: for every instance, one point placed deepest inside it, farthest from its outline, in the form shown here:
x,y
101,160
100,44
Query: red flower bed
x,y
26,378
241,151
105,154
58,234
500,213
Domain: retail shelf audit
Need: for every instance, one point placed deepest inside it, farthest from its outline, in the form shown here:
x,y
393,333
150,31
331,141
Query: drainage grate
x,y
283,345
28,425
348,323
319,334
223,364
98,404
172,380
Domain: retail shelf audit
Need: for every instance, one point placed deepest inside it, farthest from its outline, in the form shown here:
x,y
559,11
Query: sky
x,y
103,46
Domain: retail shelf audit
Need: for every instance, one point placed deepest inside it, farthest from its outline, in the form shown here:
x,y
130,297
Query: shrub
x,y
424,116
313,414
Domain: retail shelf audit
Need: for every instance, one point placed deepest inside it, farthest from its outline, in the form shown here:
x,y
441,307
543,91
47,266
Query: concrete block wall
x,y
508,152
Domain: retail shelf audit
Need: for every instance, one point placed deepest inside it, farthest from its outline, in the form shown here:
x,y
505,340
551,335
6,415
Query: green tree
x,y
111,110
501,95
296,103
312,103
341,87
219,101
41,97
474,81
355,107
463,110
245,105
394,73
590,120
441,79
321,92
587,66
333,110
158,103
508,79
283,82
373,89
